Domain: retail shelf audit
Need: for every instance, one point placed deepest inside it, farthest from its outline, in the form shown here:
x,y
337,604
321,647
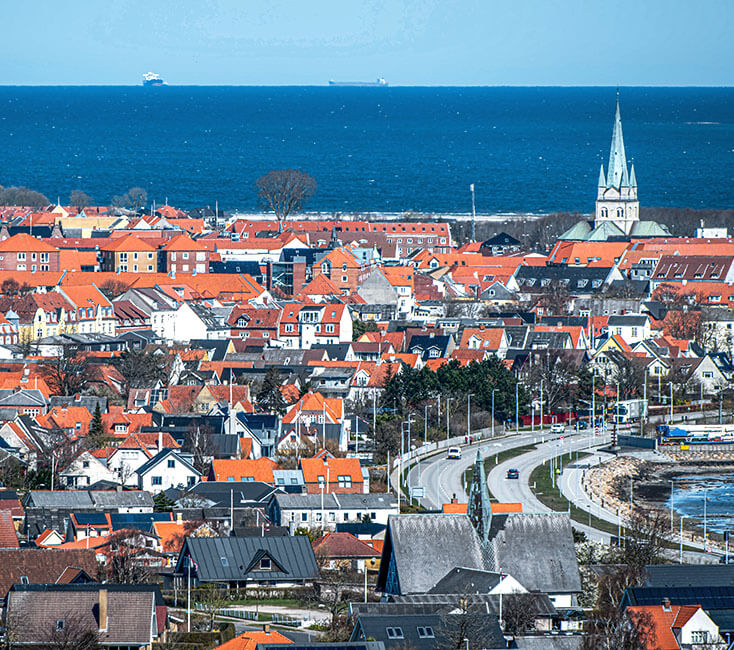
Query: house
x,y
254,639
128,254
674,627
428,631
53,615
167,469
310,511
22,252
325,473
344,551
85,470
242,561
431,346
181,254
260,469
536,550
40,566
632,328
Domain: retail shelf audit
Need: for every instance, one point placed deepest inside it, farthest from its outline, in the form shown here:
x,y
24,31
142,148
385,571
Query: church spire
x,y
617,168
480,507
633,177
602,180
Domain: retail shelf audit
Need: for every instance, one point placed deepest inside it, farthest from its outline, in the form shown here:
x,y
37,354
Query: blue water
x,y
376,149
717,490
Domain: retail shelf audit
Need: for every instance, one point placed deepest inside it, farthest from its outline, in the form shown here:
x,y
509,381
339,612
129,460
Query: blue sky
x,y
409,42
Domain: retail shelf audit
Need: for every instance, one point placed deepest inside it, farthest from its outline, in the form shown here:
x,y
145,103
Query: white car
x,y
557,427
454,452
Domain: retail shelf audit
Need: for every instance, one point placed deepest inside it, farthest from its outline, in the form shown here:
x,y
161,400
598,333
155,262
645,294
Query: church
x,y
617,214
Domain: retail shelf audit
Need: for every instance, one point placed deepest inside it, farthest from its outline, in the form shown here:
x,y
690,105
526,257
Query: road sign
x,y
596,431
417,491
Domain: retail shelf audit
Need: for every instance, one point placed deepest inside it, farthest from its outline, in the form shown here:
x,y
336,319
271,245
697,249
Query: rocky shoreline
x,y
609,484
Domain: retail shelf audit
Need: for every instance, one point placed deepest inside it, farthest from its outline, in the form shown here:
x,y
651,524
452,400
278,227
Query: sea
x,y
395,149
712,495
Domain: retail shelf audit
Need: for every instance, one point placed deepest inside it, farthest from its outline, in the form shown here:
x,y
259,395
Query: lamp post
x,y
671,403
448,404
672,483
494,390
541,405
705,504
682,517
468,415
473,213
517,407
425,424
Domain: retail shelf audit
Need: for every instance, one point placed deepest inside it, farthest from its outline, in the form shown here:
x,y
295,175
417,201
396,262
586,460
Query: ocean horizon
x,y
527,150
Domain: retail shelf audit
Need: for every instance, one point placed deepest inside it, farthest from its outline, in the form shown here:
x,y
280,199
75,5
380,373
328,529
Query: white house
x,y
167,469
313,511
188,321
84,471
631,328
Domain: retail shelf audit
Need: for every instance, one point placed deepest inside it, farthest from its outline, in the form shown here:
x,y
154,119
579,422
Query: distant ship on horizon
x,y
153,79
379,82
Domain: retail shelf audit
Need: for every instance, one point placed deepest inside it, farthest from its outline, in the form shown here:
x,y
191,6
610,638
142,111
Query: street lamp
x,y
682,517
494,390
448,404
672,482
517,406
468,415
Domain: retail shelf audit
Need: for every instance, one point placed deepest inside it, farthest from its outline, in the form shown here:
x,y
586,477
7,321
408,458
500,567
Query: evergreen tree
x,y
97,437
269,396
161,503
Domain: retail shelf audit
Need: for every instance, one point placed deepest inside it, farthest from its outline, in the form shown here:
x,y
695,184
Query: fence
x,y
636,441
250,615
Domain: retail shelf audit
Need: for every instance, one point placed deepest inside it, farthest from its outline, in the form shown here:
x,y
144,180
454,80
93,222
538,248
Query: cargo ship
x,y
372,84
153,79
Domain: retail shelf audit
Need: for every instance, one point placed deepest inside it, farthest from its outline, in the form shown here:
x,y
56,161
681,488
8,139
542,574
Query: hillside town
x,y
217,429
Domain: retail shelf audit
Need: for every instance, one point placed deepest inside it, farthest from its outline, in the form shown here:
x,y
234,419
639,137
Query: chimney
x,y
160,440
179,517
666,605
453,498
103,610
266,628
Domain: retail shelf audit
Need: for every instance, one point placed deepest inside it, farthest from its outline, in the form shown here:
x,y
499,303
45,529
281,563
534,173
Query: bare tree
x,y
199,442
126,565
112,288
134,199
66,374
466,623
619,631
519,613
212,599
80,199
285,191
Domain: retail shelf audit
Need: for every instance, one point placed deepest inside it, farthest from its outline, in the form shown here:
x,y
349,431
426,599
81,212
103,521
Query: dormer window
x,y
265,564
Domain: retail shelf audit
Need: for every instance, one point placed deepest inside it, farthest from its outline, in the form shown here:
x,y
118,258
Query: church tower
x,y
616,200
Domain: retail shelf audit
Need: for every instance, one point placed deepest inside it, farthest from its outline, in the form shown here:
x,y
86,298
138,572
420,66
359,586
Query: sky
x,y
408,42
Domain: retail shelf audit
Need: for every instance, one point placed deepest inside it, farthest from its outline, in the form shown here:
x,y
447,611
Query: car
x,y
513,473
454,453
557,427
582,424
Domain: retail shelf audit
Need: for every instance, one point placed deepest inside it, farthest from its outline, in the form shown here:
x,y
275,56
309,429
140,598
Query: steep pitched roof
x,y
343,545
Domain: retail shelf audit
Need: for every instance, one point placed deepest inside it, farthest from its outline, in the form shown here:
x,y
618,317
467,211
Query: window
x,y
59,624
24,580
345,481
699,636
21,257
265,564
394,632
322,482
156,480
224,561
604,213
425,633
304,516
123,258
171,463
85,464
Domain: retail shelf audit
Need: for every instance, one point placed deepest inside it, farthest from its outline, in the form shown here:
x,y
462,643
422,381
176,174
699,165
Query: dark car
x,y
582,424
513,473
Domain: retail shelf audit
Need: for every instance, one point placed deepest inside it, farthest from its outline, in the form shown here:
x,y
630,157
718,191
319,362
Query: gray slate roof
x,y
373,501
292,558
537,550
689,575
441,542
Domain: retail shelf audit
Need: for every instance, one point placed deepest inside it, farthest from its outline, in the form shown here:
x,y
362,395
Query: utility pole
x,y
448,404
517,407
494,390
425,424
